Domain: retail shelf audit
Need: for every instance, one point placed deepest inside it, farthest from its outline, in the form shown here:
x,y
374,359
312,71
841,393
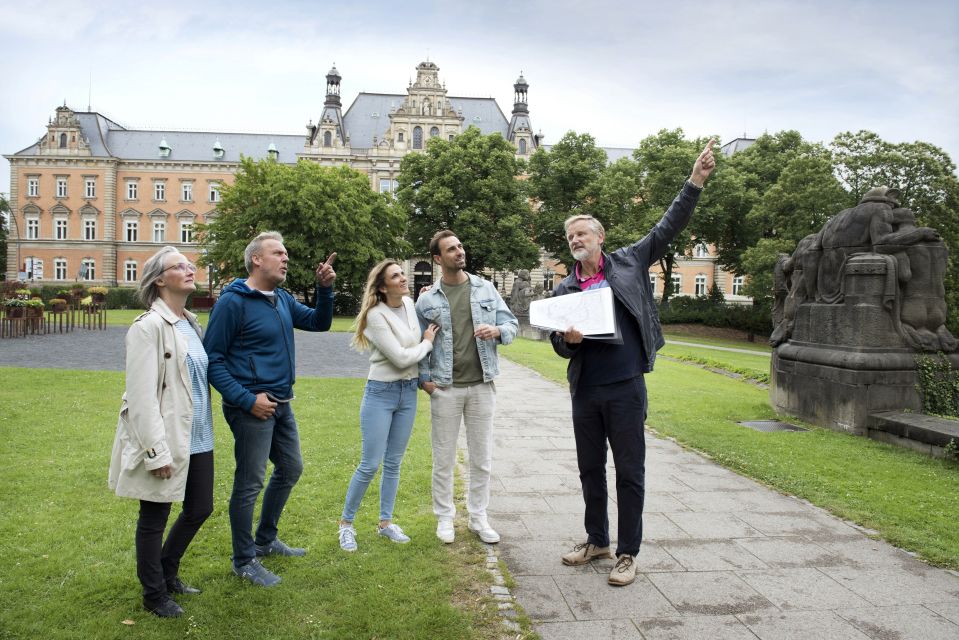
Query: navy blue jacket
x,y
249,341
627,271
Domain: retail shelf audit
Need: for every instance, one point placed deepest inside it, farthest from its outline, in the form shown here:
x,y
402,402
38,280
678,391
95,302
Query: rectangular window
x,y
739,282
159,191
90,188
88,269
159,231
130,271
33,228
60,228
33,187
701,251
132,192
132,230
60,269
700,285
186,192
214,192
90,229
186,232
652,283
386,185
61,187
677,284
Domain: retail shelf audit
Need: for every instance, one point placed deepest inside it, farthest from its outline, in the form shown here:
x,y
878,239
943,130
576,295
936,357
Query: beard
x,y
581,254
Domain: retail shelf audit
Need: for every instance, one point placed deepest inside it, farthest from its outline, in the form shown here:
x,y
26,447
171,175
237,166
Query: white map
x,y
591,312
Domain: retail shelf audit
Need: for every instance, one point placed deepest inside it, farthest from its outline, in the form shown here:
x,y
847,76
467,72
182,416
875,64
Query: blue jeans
x,y
386,422
256,441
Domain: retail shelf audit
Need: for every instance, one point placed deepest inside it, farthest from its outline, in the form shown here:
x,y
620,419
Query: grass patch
x,y
125,317
67,541
670,333
910,499
753,367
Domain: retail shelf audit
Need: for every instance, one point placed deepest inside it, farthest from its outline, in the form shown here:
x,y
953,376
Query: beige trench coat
x,y
156,411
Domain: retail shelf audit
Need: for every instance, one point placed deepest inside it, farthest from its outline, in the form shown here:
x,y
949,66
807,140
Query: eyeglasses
x,y
182,266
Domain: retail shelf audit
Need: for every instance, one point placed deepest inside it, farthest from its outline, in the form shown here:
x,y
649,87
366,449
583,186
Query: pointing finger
x,y
329,261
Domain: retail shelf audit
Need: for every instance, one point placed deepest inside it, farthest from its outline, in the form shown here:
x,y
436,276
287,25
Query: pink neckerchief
x,y
596,278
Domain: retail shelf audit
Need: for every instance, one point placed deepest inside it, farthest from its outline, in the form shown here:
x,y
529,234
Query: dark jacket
x,y
627,271
249,341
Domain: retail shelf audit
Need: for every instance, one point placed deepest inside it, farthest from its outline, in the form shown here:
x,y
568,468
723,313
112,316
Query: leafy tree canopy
x,y
317,209
469,184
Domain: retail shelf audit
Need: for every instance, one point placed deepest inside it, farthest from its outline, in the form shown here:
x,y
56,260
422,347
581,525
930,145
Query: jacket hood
x,y
239,286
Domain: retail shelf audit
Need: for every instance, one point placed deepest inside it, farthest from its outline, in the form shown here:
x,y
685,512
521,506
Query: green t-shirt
x,y
467,368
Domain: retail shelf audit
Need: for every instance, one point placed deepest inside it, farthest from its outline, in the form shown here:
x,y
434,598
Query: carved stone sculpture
x,y
913,292
521,293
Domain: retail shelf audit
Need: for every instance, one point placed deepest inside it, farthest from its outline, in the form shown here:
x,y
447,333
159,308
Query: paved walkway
x,y
723,557
752,352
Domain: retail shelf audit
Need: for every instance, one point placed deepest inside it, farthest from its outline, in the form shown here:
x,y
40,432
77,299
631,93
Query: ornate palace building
x,y
92,199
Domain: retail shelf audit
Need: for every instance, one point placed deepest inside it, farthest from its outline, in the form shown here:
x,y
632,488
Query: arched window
x,y
63,141
434,131
417,137
522,146
328,139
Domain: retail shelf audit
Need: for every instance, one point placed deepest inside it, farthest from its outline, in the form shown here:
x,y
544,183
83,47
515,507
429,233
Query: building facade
x,y
92,200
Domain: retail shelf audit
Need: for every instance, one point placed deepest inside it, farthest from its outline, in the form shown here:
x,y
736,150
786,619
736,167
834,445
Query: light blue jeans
x,y
386,422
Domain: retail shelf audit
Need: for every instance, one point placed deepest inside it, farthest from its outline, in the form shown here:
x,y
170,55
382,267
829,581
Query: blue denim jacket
x,y
487,307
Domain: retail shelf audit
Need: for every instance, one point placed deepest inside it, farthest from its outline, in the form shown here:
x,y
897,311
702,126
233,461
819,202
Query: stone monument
x,y
854,304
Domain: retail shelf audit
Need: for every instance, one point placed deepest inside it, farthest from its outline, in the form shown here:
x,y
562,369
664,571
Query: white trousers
x,y
449,407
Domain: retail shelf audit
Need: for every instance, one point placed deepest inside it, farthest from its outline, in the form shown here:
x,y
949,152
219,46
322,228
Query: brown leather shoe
x,y
624,571
585,553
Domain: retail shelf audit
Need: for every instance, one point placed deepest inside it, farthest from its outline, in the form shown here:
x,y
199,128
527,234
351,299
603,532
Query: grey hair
x,y
595,225
147,290
253,248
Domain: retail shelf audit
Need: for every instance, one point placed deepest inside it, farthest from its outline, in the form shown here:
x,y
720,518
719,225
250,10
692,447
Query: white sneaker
x,y
444,531
480,526
347,537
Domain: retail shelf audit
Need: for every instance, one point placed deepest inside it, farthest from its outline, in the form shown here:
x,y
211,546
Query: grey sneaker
x,y
347,538
257,574
394,533
278,548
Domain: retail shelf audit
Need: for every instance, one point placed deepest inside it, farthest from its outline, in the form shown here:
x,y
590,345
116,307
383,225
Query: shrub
x,y
755,318
123,298
938,384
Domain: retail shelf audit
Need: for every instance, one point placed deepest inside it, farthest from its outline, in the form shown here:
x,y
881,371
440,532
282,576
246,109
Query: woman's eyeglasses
x,y
183,266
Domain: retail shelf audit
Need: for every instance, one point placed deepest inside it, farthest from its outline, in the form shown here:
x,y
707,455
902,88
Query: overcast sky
x,y
617,70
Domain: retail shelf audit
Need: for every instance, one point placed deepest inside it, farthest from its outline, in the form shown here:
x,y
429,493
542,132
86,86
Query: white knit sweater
x,y
395,346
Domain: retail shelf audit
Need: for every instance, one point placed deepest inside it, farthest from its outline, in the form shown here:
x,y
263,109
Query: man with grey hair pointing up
x,y
606,377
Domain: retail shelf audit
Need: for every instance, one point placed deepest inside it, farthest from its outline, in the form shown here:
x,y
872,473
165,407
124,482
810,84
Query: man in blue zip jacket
x,y
606,377
249,341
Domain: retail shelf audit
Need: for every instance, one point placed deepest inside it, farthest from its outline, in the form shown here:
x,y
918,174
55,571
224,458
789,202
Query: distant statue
x,y
521,293
912,260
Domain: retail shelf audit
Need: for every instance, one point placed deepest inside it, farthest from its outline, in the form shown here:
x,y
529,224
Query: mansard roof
x,y
369,116
110,139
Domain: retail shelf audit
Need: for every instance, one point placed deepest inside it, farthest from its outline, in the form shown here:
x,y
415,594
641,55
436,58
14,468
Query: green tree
x,y
925,176
318,210
562,181
469,184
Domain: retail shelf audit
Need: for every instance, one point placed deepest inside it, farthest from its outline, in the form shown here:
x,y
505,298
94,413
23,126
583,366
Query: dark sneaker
x,y
178,586
164,609
257,574
278,548
624,571
585,553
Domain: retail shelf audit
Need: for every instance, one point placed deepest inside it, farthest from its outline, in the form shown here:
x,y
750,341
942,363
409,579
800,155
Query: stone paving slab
x,y
724,557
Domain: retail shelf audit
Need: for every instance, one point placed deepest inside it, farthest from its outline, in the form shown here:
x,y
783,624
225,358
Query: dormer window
x,y
164,149
218,151
63,141
272,151
327,139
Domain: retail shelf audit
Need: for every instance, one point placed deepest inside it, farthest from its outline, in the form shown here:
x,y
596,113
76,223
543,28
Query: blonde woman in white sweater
x,y
388,328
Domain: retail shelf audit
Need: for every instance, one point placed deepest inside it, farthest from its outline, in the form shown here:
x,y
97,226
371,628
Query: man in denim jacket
x,y
606,377
458,376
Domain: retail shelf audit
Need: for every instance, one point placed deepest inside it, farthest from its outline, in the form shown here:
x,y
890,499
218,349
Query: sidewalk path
x,y
752,352
723,557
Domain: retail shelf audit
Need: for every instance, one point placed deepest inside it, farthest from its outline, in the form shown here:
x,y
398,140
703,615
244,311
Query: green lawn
x,y
760,345
67,542
910,499
754,367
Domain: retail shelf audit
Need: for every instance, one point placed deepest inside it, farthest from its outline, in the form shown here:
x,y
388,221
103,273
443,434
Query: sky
x,y
619,71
